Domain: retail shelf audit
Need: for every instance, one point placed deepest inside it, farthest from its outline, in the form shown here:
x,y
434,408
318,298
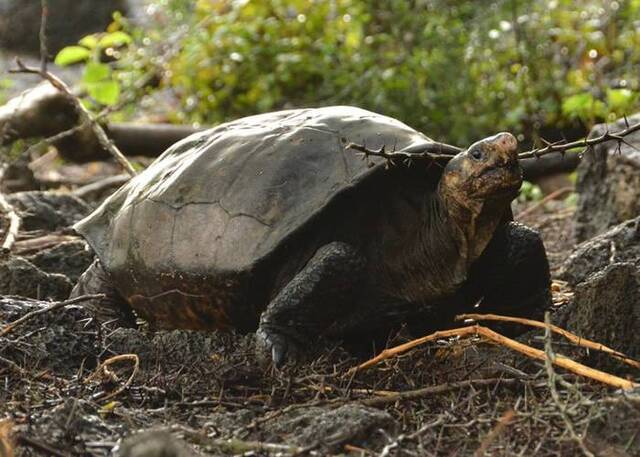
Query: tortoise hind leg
x,y
315,298
513,276
113,307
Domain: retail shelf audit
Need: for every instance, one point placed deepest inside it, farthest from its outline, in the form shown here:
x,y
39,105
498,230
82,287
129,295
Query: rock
x,y
351,423
61,340
154,444
608,183
68,21
48,211
615,430
606,309
18,276
69,258
619,244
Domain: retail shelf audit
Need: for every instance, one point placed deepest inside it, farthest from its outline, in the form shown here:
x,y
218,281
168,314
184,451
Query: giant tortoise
x,y
269,223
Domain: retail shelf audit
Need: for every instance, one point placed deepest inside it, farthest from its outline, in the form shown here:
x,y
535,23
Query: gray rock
x,y
619,244
615,430
70,258
154,444
606,309
48,211
18,276
61,340
608,183
331,428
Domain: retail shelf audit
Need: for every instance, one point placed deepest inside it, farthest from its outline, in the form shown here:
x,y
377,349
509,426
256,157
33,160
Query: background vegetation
x,y
454,69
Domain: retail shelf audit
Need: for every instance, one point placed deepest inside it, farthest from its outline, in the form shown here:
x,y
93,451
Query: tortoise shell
x,y
190,240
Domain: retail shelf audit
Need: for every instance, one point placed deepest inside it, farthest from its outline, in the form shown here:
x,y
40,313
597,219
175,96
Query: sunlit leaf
x,y
71,55
104,92
89,42
114,39
95,72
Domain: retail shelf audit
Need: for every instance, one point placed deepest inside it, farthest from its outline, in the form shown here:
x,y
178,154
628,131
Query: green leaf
x,y
104,92
578,104
96,72
90,41
114,39
619,98
71,55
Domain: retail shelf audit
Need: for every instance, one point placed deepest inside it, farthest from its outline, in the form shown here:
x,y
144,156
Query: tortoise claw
x,y
281,348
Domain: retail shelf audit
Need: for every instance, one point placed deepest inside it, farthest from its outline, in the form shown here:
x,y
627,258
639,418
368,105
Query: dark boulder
x,y
619,244
69,258
606,309
18,276
608,183
48,211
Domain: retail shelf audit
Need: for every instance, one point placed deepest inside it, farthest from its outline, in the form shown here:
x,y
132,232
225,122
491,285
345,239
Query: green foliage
x,y
97,78
71,55
4,85
529,192
454,69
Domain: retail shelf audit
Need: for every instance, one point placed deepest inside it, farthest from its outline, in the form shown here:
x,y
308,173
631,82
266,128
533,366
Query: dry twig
x,y
549,360
110,361
552,196
13,227
493,434
494,337
85,115
579,341
57,305
432,390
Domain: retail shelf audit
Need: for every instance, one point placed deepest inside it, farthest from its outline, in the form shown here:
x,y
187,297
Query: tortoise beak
x,y
504,144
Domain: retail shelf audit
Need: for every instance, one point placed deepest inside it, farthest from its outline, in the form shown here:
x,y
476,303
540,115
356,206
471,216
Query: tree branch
x,y
444,152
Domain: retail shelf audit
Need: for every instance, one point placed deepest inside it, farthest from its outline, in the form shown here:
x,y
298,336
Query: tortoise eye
x,y
477,154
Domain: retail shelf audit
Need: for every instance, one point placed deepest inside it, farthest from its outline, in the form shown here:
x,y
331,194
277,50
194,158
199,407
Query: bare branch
x,y
44,52
442,152
563,146
432,151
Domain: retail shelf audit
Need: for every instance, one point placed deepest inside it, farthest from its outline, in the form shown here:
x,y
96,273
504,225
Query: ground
x,y
65,391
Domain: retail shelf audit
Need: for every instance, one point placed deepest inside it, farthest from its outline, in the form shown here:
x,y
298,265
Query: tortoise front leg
x,y
324,290
513,276
114,308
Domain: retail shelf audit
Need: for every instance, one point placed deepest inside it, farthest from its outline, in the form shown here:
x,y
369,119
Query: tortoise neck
x,y
472,222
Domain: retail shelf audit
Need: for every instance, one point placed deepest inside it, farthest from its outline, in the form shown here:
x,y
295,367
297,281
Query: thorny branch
x,y
440,152
549,360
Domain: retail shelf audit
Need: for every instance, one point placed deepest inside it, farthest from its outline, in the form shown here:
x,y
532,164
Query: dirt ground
x,y
70,386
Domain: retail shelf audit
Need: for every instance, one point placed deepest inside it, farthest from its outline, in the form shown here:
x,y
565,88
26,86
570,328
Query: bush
x,y
456,70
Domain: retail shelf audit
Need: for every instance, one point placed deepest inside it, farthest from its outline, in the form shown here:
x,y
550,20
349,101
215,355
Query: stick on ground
x,y
501,340
579,341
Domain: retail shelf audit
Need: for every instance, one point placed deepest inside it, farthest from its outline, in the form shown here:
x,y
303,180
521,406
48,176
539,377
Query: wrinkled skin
x,y
399,250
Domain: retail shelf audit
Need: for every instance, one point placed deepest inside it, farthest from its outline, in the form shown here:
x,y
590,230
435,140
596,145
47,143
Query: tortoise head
x,y
487,170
